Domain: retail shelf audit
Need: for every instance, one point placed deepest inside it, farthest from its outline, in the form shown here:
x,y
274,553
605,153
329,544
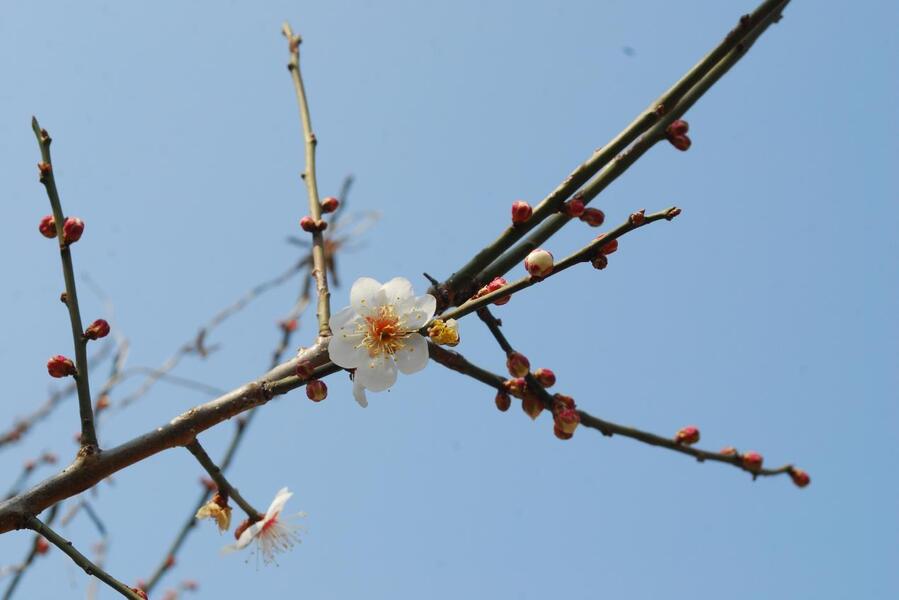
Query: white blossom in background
x,y
377,335
272,533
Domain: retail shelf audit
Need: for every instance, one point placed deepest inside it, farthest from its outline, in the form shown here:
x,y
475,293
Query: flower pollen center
x,y
383,333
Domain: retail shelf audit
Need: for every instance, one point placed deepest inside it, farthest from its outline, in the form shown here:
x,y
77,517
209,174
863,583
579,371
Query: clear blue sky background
x,y
765,314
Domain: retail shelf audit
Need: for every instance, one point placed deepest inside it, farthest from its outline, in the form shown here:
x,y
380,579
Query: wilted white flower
x,y
272,533
378,333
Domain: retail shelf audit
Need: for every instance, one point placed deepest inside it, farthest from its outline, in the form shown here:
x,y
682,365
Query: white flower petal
x,y
415,312
347,350
363,295
359,394
277,504
397,290
377,374
413,356
343,318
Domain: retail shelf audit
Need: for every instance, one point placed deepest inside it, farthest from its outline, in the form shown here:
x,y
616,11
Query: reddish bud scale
x,y
96,330
562,402
503,401
41,546
609,247
600,262
800,477
44,168
330,204
672,213
531,405
728,451
47,227
539,263
560,433
60,366
593,217
567,420
573,208
497,283
140,593
169,561
517,387
521,212
681,142
687,436
288,325
752,461
678,127
637,218
517,364
545,377
304,369
316,390
307,223
72,230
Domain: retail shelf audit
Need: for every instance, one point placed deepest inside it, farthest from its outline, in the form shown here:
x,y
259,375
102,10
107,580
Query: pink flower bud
x,y
72,230
562,402
307,223
60,366
573,208
96,330
140,593
330,204
567,420
800,477
47,227
517,364
687,436
638,217
610,247
752,461
593,217
560,433
521,212
600,261
545,377
503,401
539,263
681,142
316,390
304,369
679,127
517,386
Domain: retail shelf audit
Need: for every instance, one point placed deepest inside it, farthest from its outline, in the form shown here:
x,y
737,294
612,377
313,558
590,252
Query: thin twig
x,y
79,559
315,211
462,283
223,484
33,553
456,362
88,440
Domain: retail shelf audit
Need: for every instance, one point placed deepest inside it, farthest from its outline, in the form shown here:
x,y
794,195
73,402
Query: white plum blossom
x,y
377,335
271,533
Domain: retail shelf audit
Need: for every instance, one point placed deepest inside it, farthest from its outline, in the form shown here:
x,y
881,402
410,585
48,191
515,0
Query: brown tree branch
x,y
218,477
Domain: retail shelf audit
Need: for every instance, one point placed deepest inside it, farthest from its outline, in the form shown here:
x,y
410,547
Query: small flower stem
x,y
89,444
613,169
223,484
583,255
456,362
318,246
469,274
81,560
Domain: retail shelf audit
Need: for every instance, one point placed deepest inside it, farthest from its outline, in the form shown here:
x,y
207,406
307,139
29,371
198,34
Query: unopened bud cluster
x,y
311,225
497,283
677,135
72,228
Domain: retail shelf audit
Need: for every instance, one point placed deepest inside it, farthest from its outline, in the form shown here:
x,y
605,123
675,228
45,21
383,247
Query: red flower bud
x,y
47,227
609,247
593,217
60,366
560,433
288,325
679,127
521,212
304,369
752,461
567,420
41,545
545,377
672,213
503,401
517,386
638,217
517,364
497,283
140,593
316,390
681,142
330,204
574,207
800,477
600,261
687,436
539,263
72,230
44,168
96,330
307,223
531,405
562,402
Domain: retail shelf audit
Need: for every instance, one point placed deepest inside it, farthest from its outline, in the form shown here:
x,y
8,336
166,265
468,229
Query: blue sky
x,y
765,314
